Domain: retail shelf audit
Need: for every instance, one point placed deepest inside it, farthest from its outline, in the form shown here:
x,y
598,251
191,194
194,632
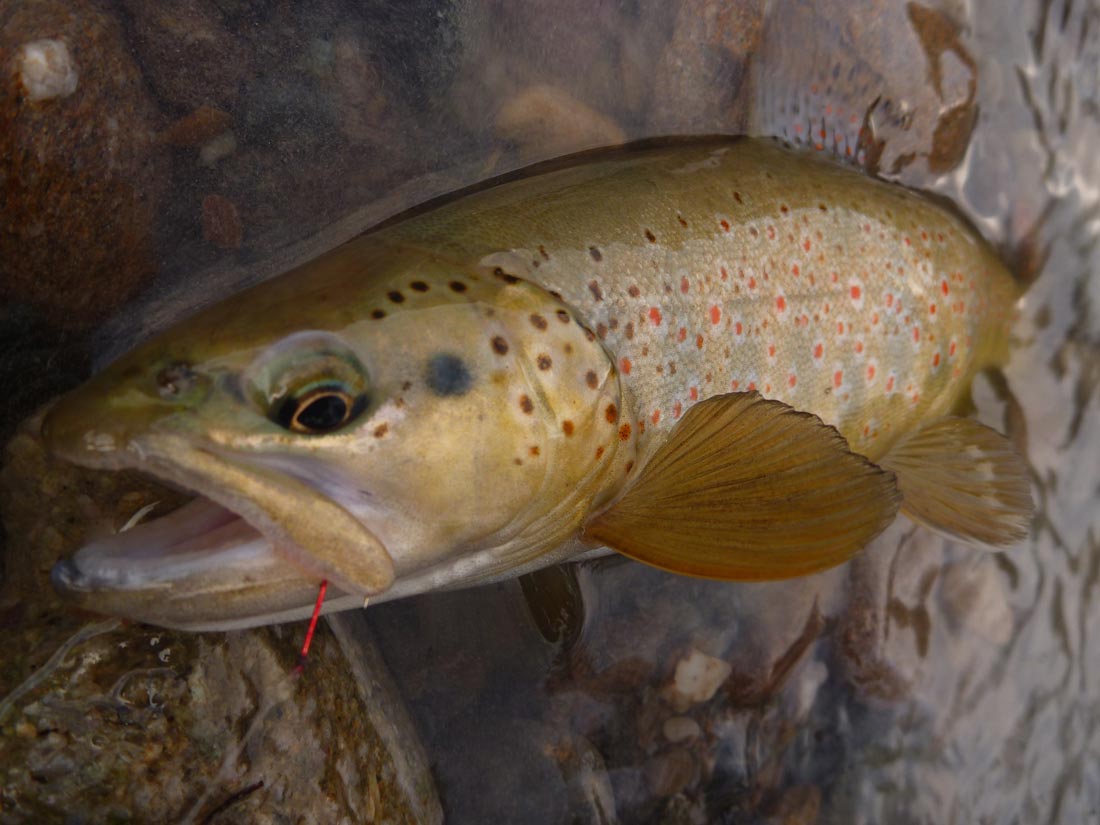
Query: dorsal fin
x,y
747,488
963,479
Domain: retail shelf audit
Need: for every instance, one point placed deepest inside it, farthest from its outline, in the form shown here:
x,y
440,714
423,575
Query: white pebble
x,y
47,70
698,677
680,729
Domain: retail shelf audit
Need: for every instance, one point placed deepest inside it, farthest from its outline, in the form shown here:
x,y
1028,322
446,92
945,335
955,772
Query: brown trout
x,y
724,358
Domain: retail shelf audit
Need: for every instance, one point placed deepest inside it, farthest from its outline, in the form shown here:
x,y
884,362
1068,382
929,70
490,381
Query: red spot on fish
x,y
889,299
725,225
684,285
698,341
655,316
932,309
819,350
624,365
951,351
682,334
771,350
676,410
838,378
725,275
752,386
855,293
859,347
624,432
656,416
791,380
795,270
715,314
806,244
737,327
936,360
781,303
874,319
752,282
908,242
890,384
944,288
771,233
916,333
870,372
735,384
839,327
694,393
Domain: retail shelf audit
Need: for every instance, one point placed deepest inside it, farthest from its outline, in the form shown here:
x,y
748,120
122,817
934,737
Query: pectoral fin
x,y
747,488
961,478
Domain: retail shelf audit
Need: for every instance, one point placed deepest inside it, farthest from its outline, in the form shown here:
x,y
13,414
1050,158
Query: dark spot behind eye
x,y
448,375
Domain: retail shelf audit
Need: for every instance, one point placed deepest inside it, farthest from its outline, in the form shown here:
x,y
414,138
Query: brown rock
x,y
188,55
221,222
79,171
712,41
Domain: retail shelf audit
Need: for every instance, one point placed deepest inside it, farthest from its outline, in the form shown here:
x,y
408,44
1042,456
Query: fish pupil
x,y
318,411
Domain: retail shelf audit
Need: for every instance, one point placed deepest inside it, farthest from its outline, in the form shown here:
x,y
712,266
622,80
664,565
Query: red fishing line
x,y
312,627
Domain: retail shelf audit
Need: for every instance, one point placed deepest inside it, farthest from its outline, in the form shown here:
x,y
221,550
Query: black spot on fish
x,y
505,276
448,375
563,316
649,236
500,346
395,296
378,314
457,286
595,253
418,286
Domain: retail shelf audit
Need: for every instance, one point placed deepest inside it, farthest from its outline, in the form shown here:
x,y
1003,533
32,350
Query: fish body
x,y
714,357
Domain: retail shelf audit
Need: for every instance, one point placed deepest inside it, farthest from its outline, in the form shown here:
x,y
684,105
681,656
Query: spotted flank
x,y
727,359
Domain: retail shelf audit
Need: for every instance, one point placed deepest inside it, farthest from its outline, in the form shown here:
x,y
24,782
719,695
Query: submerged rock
x,y
122,722
81,172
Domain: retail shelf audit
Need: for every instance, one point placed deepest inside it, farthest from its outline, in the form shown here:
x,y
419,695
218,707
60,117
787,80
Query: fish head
x,y
380,419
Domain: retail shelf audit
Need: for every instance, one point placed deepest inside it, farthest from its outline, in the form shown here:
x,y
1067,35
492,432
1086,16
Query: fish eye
x,y
310,383
319,409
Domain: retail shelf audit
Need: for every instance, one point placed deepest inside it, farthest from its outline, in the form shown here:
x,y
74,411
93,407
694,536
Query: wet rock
x,y
712,40
82,173
221,222
546,121
123,722
670,771
680,729
197,127
188,55
696,680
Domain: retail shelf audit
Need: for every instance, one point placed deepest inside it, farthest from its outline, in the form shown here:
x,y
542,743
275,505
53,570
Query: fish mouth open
x,y
251,549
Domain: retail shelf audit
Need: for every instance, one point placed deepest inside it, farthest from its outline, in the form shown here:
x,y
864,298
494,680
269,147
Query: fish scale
x,y
753,267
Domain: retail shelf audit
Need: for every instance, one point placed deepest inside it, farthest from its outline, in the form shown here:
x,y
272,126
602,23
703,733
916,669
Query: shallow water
x,y
923,682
